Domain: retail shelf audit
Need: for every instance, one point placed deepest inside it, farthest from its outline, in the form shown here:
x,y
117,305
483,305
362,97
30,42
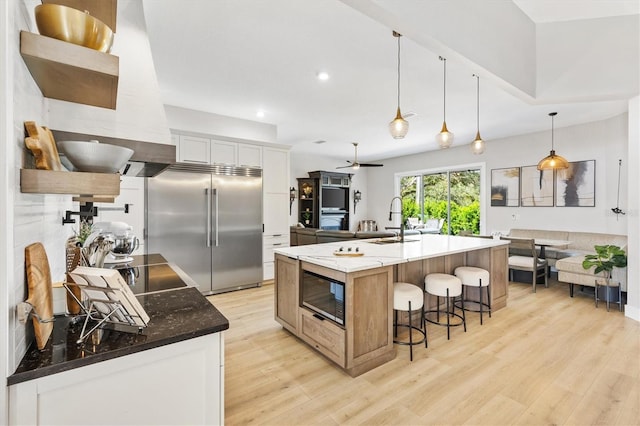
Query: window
x,y
451,195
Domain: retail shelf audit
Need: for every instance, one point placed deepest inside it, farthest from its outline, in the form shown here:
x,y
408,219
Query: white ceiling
x,y
235,57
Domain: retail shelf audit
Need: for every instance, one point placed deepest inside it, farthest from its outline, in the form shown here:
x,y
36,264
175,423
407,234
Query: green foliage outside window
x,y
465,195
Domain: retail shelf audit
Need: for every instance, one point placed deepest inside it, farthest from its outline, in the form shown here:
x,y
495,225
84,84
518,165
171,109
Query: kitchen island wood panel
x,y
367,334
365,341
287,293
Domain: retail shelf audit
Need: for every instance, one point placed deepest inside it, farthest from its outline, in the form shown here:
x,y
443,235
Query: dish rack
x,y
104,298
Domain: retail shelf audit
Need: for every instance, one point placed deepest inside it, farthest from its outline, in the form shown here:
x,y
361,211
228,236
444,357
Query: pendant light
x,y
477,146
445,137
399,126
553,161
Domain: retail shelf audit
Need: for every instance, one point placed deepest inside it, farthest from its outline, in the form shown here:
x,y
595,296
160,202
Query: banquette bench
x,y
568,260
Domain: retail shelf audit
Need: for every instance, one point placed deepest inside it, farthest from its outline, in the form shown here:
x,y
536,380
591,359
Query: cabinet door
x,y
223,152
249,155
194,150
276,170
276,213
287,296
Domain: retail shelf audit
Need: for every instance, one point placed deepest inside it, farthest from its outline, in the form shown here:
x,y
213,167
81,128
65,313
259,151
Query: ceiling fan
x,y
354,164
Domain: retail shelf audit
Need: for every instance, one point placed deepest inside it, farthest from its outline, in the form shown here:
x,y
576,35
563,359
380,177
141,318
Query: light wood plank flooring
x,y
545,359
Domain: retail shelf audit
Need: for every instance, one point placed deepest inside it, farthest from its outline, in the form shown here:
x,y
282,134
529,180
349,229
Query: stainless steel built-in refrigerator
x,y
208,221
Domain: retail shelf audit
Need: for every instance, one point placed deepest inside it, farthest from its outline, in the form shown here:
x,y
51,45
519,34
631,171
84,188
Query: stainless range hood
x,y
148,158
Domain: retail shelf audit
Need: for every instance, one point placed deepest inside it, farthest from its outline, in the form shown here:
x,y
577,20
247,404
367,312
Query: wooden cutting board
x,y
43,146
40,291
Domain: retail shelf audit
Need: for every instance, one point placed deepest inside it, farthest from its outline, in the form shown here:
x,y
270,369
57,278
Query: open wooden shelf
x,y
34,181
69,72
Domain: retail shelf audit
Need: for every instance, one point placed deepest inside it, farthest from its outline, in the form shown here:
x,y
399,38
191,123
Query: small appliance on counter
x,y
123,241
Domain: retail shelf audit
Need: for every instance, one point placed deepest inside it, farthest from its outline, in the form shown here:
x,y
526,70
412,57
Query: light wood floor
x,y
545,359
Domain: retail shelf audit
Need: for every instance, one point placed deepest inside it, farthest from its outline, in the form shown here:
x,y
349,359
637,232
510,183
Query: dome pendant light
x,y
445,137
477,146
553,161
399,126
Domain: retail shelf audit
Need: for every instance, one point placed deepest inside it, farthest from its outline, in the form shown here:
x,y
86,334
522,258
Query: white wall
x,y
632,208
139,112
186,120
301,164
605,141
6,192
35,217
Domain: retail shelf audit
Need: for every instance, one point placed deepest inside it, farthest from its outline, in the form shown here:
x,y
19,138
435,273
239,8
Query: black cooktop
x,y
148,274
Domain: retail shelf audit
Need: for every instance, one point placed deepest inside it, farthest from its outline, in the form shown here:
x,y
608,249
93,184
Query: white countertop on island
x,y
415,247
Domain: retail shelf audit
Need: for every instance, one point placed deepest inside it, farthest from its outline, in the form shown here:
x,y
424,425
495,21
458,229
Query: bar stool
x,y
449,287
472,276
408,298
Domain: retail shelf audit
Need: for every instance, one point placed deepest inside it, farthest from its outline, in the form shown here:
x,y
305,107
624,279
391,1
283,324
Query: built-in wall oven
x,y
324,296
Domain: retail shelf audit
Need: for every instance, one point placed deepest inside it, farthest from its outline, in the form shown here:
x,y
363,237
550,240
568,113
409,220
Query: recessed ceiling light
x,y
323,76
260,113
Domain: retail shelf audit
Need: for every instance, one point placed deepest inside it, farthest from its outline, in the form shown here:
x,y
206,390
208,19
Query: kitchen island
x,y
356,331
169,372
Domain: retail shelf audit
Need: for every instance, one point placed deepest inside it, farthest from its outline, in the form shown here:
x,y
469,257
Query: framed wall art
x,y
505,187
536,187
576,186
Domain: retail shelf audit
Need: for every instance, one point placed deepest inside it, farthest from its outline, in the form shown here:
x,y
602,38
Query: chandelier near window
x,y
445,137
477,146
399,126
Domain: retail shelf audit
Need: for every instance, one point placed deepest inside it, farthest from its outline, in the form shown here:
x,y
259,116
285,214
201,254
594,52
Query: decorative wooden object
x,y
41,143
40,291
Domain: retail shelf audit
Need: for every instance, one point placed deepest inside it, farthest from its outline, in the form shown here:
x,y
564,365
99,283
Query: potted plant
x,y
606,258
306,216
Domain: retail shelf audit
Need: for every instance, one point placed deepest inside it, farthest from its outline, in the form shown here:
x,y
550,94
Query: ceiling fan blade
x,y
344,167
370,165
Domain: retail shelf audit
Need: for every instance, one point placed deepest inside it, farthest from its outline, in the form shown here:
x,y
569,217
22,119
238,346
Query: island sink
x,y
392,241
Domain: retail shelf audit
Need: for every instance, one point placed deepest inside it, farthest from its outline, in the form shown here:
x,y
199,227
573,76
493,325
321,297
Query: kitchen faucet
x,y
391,213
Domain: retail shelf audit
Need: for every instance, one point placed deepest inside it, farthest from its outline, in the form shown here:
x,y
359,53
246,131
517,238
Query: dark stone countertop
x,y
175,315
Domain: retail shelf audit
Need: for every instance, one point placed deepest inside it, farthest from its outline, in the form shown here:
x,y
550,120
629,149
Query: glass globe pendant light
x,y
445,137
399,126
477,146
553,161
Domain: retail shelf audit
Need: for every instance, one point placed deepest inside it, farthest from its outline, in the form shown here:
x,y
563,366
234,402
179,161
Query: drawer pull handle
x,y
318,316
277,244
277,235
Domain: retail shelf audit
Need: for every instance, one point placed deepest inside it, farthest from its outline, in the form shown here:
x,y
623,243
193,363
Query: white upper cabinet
x,y
249,155
192,149
276,170
223,152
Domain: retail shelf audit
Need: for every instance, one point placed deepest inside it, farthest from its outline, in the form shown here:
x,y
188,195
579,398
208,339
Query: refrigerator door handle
x,y
215,197
208,235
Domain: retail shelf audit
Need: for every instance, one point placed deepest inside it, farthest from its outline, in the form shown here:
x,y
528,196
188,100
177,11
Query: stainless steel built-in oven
x,y
323,295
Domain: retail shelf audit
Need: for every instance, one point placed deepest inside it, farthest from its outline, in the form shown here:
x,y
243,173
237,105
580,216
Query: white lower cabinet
x,y
269,243
181,383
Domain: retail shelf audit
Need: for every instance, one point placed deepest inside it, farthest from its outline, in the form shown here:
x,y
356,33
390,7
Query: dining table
x,y
547,242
